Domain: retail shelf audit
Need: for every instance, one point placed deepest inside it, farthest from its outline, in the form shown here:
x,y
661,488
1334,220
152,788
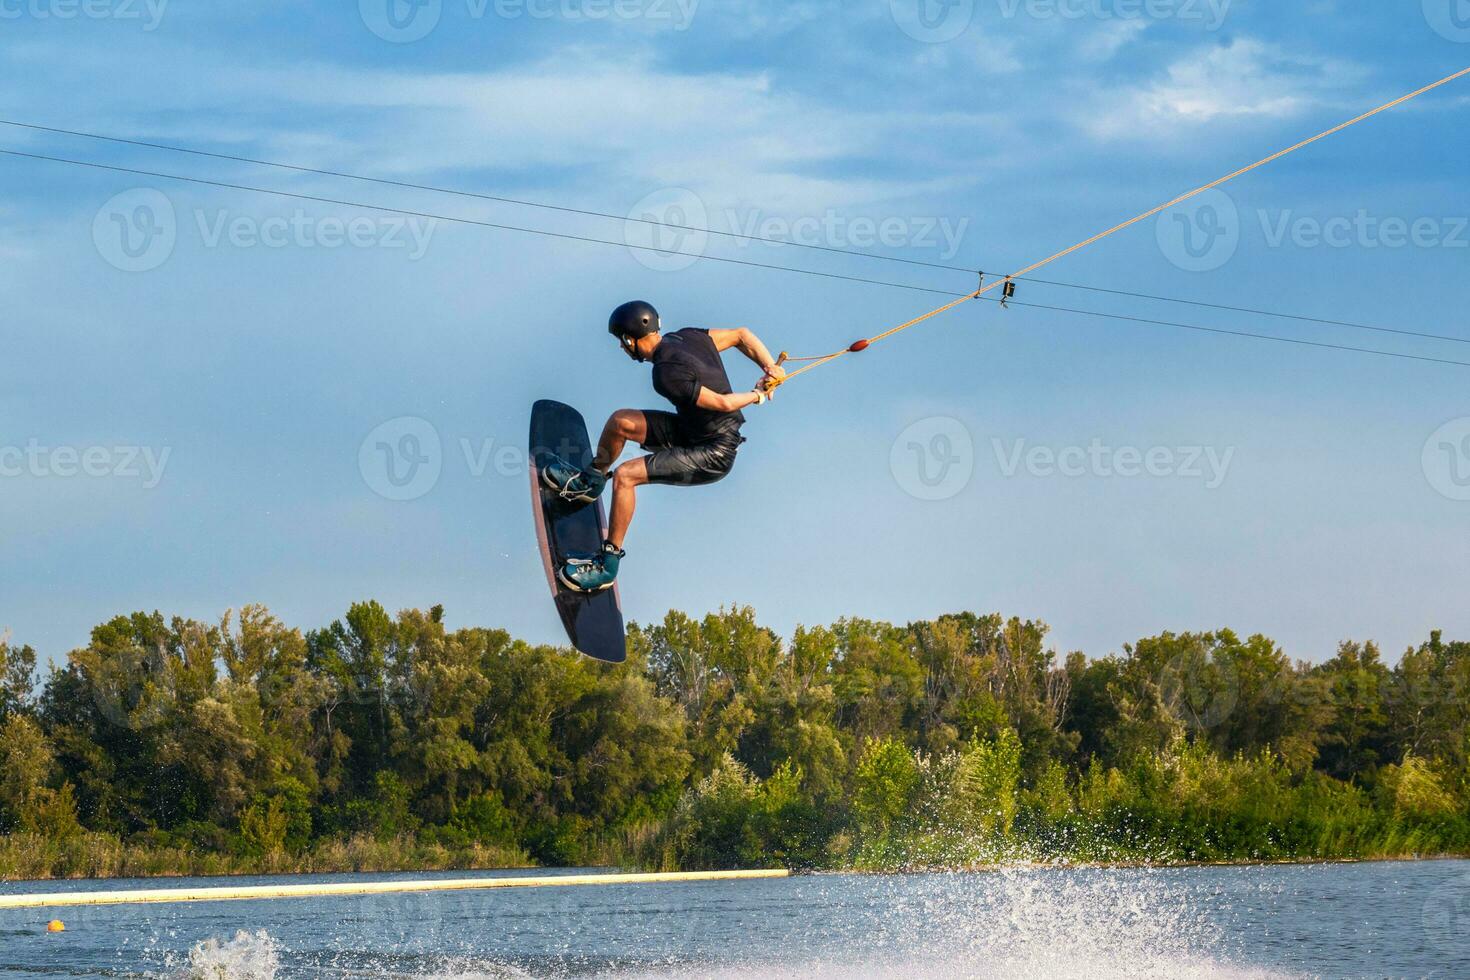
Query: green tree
x,y
17,678
1354,739
986,786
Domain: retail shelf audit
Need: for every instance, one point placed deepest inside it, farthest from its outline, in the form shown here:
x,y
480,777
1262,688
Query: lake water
x,y
1364,920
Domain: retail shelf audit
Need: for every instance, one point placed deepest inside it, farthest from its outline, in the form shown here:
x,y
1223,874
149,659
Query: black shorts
x,y
675,461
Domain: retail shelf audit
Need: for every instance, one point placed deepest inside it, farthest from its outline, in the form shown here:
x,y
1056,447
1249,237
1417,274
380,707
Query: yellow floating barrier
x,y
337,888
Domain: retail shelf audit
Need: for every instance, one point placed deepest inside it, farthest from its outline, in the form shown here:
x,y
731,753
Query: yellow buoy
x,y
56,925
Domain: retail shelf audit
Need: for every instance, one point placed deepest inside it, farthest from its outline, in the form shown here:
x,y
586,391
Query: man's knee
x,y
628,476
627,422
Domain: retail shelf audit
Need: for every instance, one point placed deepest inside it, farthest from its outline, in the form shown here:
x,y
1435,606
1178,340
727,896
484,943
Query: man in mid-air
x,y
691,446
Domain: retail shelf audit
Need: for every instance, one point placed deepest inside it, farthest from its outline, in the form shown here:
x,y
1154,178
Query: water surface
x,y
1363,920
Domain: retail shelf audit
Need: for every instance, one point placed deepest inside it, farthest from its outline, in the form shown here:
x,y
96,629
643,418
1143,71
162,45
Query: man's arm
x,y
745,340
712,402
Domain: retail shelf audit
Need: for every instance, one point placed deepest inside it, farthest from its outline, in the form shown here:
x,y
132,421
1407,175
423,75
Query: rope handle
x,y
1007,285
768,384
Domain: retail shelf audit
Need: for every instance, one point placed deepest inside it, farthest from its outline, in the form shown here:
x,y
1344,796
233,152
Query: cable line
x,y
521,202
863,344
545,233
961,297
1243,309
499,199
1006,283
1234,333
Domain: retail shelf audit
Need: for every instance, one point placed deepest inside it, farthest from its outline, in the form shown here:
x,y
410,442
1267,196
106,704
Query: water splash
x,y
1018,924
248,956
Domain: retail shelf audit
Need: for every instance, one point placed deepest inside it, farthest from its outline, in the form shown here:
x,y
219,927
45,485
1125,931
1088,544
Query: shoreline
x,y
1063,865
988,868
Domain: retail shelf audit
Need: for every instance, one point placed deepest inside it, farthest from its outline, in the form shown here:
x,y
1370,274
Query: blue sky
x,y
1114,479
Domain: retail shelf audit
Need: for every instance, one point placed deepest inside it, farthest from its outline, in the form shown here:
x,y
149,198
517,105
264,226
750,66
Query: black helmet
x,y
634,320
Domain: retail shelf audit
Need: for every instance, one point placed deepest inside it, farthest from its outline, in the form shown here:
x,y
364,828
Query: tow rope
x,y
1007,285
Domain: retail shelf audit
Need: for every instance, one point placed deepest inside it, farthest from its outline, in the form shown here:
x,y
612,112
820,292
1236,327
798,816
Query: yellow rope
x,y
816,362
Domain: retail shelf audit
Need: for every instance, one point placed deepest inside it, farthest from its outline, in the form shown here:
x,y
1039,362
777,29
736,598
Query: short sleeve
x,y
677,383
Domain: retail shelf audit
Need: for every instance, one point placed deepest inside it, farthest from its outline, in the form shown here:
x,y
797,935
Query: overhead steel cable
x,y
543,232
1245,309
960,297
584,212
497,198
1233,333
1007,284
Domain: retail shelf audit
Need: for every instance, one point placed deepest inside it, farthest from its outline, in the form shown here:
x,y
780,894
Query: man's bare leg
x,y
626,481
624,425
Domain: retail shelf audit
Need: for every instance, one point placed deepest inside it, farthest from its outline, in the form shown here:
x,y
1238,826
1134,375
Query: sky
x,y
214,396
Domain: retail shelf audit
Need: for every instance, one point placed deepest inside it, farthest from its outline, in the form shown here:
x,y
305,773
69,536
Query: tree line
x,y
175,746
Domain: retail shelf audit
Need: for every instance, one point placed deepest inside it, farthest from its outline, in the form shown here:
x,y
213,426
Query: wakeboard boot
x,y
571,483
593,573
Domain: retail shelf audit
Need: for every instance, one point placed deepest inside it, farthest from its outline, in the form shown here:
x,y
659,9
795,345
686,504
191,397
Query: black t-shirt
x,y
686,361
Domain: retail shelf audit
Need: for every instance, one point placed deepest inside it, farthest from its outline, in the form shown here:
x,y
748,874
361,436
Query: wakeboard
x,y
594,622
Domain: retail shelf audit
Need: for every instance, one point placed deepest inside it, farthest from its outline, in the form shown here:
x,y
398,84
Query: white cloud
x,y
757,18
1243,79
1110,37
597,127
